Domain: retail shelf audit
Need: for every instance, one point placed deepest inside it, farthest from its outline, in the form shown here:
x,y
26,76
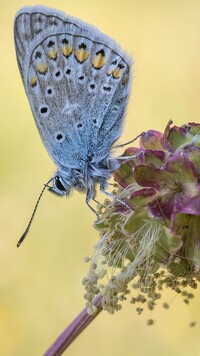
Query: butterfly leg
x,y
127,143
96,201
126,158
110,195
88,197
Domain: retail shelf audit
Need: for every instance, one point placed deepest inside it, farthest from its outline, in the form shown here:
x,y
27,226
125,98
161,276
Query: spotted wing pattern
x,y
77,82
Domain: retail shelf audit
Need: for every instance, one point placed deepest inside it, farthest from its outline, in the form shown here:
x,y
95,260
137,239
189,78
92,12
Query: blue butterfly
x,y
77,81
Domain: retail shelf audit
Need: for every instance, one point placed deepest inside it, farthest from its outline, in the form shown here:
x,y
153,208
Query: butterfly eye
x,y
58,184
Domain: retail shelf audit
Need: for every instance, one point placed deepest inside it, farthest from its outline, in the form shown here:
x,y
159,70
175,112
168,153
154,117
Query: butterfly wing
x,y
76,80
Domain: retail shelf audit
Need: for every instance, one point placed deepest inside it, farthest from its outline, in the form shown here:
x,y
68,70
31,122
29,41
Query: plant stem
x,y
73,330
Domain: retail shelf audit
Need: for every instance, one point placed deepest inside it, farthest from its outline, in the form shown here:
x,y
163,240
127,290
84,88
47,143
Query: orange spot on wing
x,y
81,55
117,73
66,50
33,81
98,61
41,68
110,71
52,54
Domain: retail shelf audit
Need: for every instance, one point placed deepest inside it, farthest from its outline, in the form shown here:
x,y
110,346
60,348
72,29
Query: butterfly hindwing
x,y
76,80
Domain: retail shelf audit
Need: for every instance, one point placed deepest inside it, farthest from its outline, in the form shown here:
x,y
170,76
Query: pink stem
x,y
73,330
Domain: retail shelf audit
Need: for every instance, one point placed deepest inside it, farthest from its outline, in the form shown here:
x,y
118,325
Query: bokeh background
x,y
40,283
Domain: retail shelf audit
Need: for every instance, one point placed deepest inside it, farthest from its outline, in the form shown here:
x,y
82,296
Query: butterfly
x,y
77,81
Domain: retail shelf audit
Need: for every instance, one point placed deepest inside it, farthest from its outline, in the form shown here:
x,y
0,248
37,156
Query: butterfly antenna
x,y
33,214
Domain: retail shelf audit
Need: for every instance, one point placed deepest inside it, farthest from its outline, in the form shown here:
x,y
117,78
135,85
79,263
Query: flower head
x,y
156,241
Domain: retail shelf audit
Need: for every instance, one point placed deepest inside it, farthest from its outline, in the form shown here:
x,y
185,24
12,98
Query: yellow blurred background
x,y
40,283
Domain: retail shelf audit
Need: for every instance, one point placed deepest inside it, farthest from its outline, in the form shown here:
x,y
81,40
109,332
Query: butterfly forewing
x,y
77,83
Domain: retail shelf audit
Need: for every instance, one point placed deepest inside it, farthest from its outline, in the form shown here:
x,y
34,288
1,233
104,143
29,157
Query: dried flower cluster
x,y
154,243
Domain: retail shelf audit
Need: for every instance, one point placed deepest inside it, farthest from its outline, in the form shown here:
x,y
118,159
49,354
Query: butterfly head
x,y
60,186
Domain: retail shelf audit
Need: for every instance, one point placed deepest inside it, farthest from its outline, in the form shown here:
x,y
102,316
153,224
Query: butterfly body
x,y
77,81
